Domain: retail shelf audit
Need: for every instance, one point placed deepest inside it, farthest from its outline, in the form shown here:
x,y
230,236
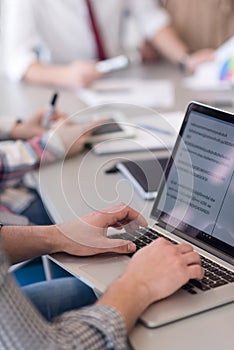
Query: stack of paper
x,y
141,92
207,75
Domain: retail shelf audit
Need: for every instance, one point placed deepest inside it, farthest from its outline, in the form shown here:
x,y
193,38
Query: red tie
x,y
96,32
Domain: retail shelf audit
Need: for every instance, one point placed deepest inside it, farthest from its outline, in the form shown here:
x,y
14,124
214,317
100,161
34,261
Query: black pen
x,y
50,111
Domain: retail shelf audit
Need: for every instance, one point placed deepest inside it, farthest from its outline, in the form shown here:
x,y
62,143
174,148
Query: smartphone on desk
x,y
115,127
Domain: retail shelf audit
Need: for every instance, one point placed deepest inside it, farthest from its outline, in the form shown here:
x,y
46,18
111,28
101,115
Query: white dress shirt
x,y
59,31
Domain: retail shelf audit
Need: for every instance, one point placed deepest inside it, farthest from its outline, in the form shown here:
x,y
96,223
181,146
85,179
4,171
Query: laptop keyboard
x,y
215,274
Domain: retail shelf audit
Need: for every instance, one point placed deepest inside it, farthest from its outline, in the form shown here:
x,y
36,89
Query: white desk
x,y
209,330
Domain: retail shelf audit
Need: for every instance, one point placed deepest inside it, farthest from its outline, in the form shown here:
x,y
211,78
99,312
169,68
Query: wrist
x,y
125,296
50,74
54,240
136,294
46,237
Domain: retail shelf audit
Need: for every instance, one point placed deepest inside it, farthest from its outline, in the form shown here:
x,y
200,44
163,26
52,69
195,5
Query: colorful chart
x,y
227,70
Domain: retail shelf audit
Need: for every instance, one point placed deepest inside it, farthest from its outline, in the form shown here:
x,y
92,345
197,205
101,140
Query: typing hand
x,y
161,268
87,235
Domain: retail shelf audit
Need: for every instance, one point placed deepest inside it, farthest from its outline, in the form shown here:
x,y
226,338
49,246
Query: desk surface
x,y
209,330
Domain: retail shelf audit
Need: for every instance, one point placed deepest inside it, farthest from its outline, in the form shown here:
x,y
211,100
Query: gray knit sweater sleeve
x,y
22,328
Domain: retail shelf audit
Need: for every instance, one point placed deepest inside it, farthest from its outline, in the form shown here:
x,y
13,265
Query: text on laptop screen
x,y
198,195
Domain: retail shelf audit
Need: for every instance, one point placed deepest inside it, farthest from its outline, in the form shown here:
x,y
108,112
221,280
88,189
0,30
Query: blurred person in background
x,y
202,25
59,42
30,145
24,146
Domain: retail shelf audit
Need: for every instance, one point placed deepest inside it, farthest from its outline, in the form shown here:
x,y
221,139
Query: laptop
x,y
194,204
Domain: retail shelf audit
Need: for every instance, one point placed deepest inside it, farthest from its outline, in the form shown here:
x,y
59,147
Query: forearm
x,y
169,44
129,298
27,242
46,74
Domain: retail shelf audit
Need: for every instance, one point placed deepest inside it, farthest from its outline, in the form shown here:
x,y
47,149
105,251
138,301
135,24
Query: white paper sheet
x,y
150,135
145,92
206,76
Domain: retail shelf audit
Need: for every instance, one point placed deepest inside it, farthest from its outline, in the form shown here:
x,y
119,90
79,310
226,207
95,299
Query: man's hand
x,y
80,74
74,136
153,273
77,74
87,235
33,126
162,268
195,59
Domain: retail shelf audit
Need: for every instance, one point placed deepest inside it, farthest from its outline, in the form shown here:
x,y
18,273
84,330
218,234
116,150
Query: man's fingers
x,y
124,214
118,246
192,258
195,272
120,215
59,116
86,130
131,227
184,248
125,247
89,128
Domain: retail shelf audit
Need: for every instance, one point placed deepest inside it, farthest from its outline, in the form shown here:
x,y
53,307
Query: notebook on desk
x,y
194,204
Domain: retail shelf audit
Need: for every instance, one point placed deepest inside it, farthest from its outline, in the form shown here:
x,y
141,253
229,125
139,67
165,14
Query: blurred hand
x,y
33,126
148,52
81,74
87,235
198,57
162,268
74,136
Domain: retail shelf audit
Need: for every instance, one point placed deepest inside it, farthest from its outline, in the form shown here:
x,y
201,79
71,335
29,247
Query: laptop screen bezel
x,y
214,246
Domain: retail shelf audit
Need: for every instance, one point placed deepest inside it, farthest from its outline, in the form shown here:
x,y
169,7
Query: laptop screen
x,y
196,199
